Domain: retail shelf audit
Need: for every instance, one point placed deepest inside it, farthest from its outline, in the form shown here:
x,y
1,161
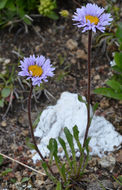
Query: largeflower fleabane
x,y
37,69
91,17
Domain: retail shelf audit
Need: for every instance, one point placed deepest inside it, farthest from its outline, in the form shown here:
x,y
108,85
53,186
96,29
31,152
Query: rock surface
x,y
69,111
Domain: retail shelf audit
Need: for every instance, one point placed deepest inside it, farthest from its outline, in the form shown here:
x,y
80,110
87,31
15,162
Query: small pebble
x,y
71,44
97,77
81,54
3,124
107,161
7,61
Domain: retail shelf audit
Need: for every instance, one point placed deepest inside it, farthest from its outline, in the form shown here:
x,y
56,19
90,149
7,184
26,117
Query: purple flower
x,y
36,69
91,17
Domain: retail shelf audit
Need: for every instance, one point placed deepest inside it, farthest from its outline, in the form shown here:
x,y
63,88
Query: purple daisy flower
x,y
36,69
91,17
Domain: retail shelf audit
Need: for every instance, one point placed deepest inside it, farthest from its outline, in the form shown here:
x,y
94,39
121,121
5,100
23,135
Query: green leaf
x,y
29,145
114,85
1,160
87,156
44,165
13,180
109,93
95,106
76,136
5,92
62,142
53,147
27,21
8,170
80,98
120,178
53,15
103,35
35,123
3,3
87,144
119,32
118,59
63,170
1,77
69,138
116,68
61,59
120,47
11,5
102,186
2,103
58,187
25,179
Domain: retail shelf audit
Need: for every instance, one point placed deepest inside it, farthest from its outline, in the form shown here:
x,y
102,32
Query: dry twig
x,y
22,164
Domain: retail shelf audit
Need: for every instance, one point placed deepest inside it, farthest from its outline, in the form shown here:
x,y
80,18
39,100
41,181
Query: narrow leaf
x,y
119,32
80,98
29,145
25,179
116,68
76,136
2,103
118,59
8,170
53,147
1,160
63,171
87,144
95,106
69,138
114,85
109,93
44,165
53,15
3,3
58,187
62,142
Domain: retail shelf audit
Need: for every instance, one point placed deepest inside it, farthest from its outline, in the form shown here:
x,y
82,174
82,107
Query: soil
x,y
67,49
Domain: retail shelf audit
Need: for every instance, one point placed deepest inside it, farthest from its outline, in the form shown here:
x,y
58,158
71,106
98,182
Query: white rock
x,y
69,111
107,161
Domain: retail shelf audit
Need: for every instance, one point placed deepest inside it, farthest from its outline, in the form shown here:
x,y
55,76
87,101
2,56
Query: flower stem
x,y
32,132
89,86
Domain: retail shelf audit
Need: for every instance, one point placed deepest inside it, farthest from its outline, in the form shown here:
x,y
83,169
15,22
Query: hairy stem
x,y
89,86
32,132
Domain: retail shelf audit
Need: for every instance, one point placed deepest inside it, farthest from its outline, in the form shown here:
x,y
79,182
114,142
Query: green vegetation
x,y
7,87
47,7
70,169
115,82
14,11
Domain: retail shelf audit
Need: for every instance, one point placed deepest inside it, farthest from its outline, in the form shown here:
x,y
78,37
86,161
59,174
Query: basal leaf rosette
x,y
37,69
91,17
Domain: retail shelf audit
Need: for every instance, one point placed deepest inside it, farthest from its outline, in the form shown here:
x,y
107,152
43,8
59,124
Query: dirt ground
x,y
67,49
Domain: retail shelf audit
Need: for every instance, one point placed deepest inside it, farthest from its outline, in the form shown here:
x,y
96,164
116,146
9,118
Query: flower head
x,y
36,69
92,17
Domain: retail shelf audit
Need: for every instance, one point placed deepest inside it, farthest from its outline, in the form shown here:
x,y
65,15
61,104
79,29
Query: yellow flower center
x,y
35,70
92,19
